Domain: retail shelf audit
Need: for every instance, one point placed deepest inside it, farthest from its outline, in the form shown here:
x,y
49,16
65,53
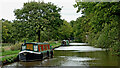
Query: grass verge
x,y
55,44
9,52
9,58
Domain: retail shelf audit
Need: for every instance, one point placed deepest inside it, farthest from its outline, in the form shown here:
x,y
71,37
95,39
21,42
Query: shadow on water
x,y
76,56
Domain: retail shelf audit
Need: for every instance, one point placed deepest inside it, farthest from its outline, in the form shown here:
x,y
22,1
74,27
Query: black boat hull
x,y
27,56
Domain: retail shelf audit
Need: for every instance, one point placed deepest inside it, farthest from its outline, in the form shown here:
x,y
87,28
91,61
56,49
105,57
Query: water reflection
x,y
79,59
80,48
76,61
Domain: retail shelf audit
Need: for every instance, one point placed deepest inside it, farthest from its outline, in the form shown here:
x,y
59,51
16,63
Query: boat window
x,y
44,47
35,47
40,48
23,47
47,47
30,46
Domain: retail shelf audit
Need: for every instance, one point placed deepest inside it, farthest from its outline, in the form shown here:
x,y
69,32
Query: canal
x,y
75,56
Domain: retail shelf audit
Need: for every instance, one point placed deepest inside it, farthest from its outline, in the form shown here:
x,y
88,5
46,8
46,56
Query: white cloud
x,y
68,12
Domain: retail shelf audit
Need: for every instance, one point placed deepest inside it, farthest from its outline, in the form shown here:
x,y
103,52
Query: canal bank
x,y
8,59
11,59
75,56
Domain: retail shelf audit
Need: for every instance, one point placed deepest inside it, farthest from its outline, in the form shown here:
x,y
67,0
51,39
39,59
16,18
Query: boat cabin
x,y
37,47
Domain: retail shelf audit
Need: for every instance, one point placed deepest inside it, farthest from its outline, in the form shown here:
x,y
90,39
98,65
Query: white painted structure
x,y
78,43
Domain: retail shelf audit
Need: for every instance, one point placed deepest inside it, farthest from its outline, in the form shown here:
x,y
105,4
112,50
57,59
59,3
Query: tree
x,y
35,17
65,30
100,21
7,31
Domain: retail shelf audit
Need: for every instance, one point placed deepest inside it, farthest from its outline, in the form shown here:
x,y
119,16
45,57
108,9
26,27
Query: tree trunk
x,y
38,35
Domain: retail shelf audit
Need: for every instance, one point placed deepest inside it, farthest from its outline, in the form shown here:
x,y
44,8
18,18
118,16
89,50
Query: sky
x,y
68,12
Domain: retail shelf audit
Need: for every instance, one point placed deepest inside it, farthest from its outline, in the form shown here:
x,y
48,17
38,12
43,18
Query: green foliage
x,y
100,22
10,52
7,31
9,58
35,17
65,30
35,21
62,32
7,44
3,50
17,46
55,45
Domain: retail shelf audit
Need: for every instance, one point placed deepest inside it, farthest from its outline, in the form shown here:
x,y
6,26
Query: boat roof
x,y
64,40
35,43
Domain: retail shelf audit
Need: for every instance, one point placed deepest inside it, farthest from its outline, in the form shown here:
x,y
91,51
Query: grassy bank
x,y
9,59
9,52
55,44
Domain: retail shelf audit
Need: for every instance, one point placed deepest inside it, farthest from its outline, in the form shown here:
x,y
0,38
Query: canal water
x,y
75,56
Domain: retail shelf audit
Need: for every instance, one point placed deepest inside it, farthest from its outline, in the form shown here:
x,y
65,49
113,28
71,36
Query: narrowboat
x,y
64,42
35,51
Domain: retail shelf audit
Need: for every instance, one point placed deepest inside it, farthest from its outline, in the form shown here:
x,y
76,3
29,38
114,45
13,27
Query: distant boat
x,y
35,51
65,42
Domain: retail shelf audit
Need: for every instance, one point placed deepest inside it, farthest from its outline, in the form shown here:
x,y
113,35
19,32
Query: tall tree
x,y
65,30
101,23
36,17
7,31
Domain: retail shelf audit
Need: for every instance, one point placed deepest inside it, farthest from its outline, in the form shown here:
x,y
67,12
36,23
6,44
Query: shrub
x,y
52,42
7,44
12,48
3,50
59,41
17,46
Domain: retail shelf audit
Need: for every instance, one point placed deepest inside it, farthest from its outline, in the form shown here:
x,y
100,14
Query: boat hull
x,y
32,56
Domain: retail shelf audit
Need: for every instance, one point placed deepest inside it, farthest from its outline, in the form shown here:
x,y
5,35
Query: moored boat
x,y
35,51
65,42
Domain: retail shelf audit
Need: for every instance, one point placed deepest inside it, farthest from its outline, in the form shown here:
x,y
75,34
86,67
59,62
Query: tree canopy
x,y
99,25
35,21
35,17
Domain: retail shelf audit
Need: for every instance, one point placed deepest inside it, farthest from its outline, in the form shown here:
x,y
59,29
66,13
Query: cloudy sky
x,y
68,11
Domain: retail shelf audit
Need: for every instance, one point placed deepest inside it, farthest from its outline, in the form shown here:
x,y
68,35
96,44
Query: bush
x,y
12,48
9,57
59,41
7,44
17,46
3,50
52,42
